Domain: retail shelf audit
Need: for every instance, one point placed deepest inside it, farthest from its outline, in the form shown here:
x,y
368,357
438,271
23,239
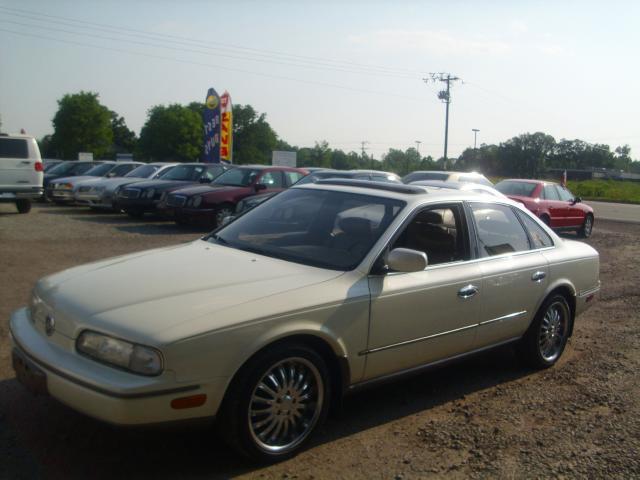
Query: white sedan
x,y
323,289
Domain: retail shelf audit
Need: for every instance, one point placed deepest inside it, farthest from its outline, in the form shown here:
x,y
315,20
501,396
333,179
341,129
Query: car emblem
x,y
49,325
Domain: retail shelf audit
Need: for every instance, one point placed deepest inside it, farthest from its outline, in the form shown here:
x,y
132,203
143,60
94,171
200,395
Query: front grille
x,y
176,200
130,193
84,189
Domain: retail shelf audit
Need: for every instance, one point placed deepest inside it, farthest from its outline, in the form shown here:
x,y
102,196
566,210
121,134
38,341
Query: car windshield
x,y
412,177
62,168
99,170
143,171
521,189
237,177
81,168
320,228
184,173
314,177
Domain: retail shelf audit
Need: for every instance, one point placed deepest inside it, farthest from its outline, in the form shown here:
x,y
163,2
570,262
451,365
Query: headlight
x,y
136,358
149,193
197,201
65,186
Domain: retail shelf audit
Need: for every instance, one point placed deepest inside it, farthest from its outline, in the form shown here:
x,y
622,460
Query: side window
x,y
565,195
550,193
539,237
499,230
212,172
292,177
438,232
272,179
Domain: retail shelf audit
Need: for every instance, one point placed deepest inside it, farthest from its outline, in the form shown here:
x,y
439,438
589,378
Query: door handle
x,y
27,162
537,276
468,291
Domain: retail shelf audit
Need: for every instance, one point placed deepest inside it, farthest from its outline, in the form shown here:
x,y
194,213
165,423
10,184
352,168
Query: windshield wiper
x,y
218,239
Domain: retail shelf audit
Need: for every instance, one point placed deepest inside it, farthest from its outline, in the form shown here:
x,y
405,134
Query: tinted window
x,y
237,177
380,177
81,168
539,237
499,230
321,228
62,168
292,177
143,171
213,172
184,173
272,179
120,170
550,193
438,232
100,170
475,179
13,148
314,177
565,195
521,189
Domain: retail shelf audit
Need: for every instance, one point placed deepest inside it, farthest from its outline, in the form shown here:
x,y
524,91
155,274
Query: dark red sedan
x,y
210,204
554,204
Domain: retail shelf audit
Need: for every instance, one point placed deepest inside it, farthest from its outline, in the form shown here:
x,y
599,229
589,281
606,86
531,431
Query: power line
x,y
210,65
206,43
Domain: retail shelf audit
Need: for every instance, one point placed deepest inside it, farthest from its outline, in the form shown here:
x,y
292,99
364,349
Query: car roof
x,y
524,180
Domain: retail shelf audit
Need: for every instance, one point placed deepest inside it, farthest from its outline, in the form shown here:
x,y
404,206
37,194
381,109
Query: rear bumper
x,y
13,194
103,392
586,298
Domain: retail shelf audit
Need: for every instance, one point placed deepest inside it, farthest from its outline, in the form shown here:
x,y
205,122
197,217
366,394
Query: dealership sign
x,y
211,119
226,128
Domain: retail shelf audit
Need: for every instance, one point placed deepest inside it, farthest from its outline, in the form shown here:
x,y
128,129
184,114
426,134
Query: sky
x,y
340,71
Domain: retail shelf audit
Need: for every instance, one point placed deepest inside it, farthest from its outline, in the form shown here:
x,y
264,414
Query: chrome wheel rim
x,y
588,225
222,213
285,405
553,331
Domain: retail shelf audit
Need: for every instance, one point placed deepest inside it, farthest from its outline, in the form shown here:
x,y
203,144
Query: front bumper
x,y
190,214
96,200
60,195
138,204
103,392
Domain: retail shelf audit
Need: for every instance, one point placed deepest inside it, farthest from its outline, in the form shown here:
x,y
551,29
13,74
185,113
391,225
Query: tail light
x,y
38,166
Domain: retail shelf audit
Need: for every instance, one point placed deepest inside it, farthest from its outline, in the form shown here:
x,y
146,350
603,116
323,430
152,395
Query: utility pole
x,y
363,143
418,142
475,136
445,97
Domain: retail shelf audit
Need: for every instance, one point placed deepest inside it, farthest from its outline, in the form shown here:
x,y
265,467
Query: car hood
x,y
205,189
152,296
75,180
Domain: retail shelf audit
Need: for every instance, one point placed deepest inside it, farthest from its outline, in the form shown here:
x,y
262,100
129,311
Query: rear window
x,y
475,179
521,189
415,176
13,148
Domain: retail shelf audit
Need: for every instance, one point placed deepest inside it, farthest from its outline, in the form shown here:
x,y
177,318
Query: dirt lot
x,y
487,417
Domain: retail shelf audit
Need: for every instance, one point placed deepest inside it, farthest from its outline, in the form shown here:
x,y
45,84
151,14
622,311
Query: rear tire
x,y
275,402
23,205
545,340
587,227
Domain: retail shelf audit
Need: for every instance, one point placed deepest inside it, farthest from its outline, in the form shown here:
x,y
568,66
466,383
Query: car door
x,y
514,272
574,215
556,208
422,317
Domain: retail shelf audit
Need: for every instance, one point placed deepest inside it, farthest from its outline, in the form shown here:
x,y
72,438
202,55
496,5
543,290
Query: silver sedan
x,y
322,290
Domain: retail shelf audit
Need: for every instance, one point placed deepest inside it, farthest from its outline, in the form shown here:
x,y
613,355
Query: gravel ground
x,y
487,417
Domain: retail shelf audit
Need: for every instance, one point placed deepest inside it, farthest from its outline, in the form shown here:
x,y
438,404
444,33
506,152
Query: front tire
x,y
546,338
222,212
587,227
23,206
275,402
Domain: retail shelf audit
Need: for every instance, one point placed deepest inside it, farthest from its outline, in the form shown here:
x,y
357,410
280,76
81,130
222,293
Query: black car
x,y
143,197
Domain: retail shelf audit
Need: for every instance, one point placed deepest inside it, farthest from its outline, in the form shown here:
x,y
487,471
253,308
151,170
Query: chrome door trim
x,y
414,370
415,340
441,334
504,317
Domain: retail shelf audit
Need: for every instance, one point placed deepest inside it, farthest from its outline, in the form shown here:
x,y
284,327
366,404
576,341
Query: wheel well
x,y
569,296
338,367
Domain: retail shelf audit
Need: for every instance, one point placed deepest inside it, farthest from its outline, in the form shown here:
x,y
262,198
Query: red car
x,y
211,203
554,204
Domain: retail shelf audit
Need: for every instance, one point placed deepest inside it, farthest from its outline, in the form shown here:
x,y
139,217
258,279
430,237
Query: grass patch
x,y
607,190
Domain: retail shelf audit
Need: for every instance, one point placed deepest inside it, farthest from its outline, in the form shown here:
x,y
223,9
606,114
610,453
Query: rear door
x,y
557,209
514,272
16,168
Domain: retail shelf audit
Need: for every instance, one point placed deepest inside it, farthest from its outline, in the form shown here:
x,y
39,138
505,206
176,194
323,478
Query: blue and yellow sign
x,y
211,120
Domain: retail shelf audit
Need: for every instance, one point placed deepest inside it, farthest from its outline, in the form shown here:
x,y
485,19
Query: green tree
x,y
124,139
82,124
171,133
253,137
623,158
526,154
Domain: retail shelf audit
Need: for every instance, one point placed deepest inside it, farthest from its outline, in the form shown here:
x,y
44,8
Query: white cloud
x,y
436,42
518,26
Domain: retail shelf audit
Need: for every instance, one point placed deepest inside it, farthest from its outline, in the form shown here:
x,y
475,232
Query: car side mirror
x,y
577,200
260,186
406,260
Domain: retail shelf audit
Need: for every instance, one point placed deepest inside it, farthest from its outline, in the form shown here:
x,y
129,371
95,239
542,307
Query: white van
x,y
20,171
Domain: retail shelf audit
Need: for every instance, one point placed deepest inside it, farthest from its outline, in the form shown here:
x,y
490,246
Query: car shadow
x,y
67,443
